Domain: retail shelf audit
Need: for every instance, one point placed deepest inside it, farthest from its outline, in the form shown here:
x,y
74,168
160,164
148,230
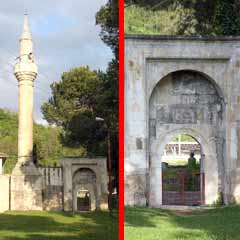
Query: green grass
x,y
58,226
156,224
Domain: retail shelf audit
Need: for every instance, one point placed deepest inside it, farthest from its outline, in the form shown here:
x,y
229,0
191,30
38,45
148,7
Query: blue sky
x,y
65,36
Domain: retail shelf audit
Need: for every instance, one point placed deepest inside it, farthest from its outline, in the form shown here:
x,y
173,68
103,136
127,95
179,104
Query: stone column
x,y
155,196
26,182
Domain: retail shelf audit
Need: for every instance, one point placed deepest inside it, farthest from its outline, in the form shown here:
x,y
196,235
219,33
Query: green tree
x,y
227,17
76,101
174,20
47,146
77,90
107,19
201,17
8,137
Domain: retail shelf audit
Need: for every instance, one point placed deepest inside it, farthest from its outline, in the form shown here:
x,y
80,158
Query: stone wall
x,y
26,188
4,192
135,188
52,188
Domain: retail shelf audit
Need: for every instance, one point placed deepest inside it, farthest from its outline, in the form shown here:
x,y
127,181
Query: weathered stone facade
x,y
52,188
181,85
59,186
85,174
4,193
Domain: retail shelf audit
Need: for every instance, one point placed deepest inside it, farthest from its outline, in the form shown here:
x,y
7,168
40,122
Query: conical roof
x,y
26,29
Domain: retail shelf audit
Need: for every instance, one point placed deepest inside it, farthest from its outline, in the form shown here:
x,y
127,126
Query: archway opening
x,y
182,172
84,190
83,200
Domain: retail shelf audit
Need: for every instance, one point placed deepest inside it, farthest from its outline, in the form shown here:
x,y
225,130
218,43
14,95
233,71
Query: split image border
x,y
121,120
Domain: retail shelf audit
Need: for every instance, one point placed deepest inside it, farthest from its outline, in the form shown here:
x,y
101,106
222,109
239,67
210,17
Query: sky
x,y
65,36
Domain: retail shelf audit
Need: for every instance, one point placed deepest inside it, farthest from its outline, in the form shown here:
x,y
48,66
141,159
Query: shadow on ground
x,y
58,226
215,224
143,217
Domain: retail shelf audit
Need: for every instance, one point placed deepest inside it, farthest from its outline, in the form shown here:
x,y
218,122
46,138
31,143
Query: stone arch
x,y
179,105
206,74
84,179
168,135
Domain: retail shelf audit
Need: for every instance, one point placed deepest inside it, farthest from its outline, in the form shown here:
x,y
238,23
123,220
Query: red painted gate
x,y
183,188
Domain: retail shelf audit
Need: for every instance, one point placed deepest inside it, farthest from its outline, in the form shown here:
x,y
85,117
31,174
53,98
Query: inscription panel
x,y
185,98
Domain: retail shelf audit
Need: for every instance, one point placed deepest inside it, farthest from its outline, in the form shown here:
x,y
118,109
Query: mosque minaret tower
x,y
25,72
25,179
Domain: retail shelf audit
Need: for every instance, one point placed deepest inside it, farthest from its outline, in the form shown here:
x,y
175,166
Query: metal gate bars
x,y
183,188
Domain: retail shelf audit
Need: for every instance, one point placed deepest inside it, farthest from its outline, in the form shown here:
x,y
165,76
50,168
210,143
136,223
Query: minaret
x,y
26,186
25,72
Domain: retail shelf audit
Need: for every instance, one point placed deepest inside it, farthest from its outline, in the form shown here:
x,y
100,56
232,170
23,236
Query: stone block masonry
x,y
52,188
4,192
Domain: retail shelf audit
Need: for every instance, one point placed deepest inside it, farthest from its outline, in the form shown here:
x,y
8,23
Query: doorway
x,y
83,200
182,174
187,102
84,190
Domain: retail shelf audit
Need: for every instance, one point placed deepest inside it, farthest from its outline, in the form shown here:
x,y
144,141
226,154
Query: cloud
x,y
65,36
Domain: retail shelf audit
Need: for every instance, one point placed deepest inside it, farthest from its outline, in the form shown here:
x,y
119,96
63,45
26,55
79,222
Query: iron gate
x,y
83,203
183,188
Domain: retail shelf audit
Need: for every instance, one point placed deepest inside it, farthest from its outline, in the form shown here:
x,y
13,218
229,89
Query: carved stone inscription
x,y
183,114
84,176
185,98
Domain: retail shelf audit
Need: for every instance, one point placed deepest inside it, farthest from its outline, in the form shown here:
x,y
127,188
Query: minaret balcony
x,y
26,68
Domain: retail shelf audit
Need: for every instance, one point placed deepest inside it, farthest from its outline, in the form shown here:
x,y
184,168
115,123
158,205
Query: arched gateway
x,y
188,102
84,190
178,85
84,184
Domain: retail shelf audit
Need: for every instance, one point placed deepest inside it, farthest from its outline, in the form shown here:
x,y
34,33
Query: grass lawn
x,y
156,224
58,225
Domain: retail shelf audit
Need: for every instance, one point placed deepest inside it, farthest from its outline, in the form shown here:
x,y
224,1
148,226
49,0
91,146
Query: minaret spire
x,y
26,28
26,43
26,72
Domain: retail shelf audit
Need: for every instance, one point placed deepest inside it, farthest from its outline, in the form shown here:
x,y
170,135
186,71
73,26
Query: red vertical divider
x,y
121,120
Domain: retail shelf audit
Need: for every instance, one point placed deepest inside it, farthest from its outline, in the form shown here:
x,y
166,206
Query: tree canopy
x,y
77,99
48,149
107,19
185,17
